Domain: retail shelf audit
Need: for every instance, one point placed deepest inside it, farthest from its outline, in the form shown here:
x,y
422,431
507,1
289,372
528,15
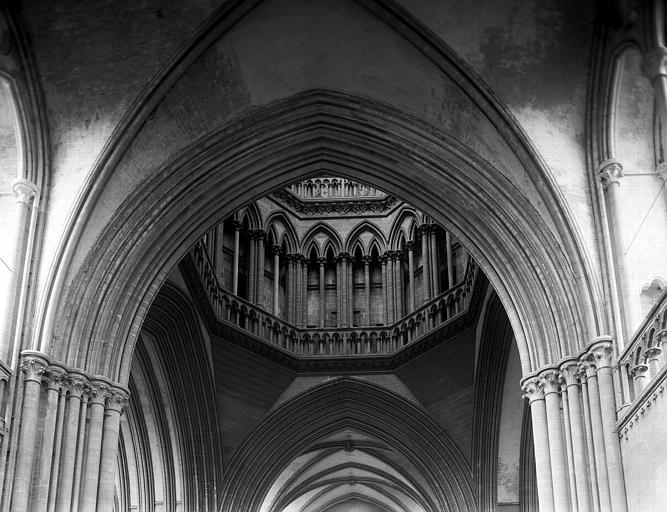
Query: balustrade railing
x,y
644,357
334,341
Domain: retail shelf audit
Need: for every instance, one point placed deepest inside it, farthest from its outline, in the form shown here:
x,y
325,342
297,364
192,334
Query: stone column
x,y
426,269
559,469
350,291
79,387
304,303
385,292
40,498
33,367
116,402
570,371
450,261
289,289
24,192
653,357
58,445
235,268
276,279
367,287
252,268
398,281
534,392
91,470
260,268
597,434
390,286
321,262
610,172
218,251
600,353
298,306
340,318
411,274
435,264
654,67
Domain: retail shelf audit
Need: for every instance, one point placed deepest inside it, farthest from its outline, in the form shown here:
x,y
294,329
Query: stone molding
x,y
38,367
24,190
571,371
642,405
339,206
609,172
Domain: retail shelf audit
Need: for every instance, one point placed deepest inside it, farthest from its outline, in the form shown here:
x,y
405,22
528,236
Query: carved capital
x,y
100,391
57,377
425,229
34,365
24,190
551,380
78,384
653,353
639,371
533,389
662,337
570,372
601,351
276,250
366,259
117,399
237,225
609,172
410,246
654,63
321,261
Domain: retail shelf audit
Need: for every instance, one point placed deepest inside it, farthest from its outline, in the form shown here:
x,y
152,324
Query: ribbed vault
x,y
348,445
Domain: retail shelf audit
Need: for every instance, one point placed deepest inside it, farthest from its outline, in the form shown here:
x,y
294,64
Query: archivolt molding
x,y
536,280
353,238
361,406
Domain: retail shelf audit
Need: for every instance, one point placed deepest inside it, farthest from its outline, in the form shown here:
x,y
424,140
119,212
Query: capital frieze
x,y
551,380
117,399
600,351
34,365
56,376
78,384
533,389
100,390
321,261
366,259
410,246
609,172
570,372
24,190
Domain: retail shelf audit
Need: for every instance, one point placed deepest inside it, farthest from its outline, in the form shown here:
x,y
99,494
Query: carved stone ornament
x,y
24,190
57,376
610,172
551,380
600,352
570,372
118,399
345,207
533,388
78,384
34,366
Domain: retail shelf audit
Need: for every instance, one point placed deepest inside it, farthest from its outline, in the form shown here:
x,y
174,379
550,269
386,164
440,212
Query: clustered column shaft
x,y
577,450
65,479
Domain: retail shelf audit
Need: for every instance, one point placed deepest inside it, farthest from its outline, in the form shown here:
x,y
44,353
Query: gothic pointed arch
x,y
372,229
440,473
408,218
289,233
322,235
